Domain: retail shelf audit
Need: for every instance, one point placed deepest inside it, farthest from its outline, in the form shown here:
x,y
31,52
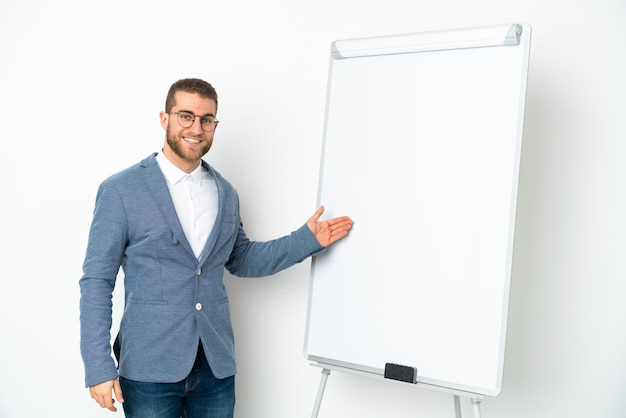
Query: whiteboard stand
x,y
449,106
457,406
476,405
476,399
320,392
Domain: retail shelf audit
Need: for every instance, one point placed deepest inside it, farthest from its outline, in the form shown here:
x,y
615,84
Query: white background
x,y
81,85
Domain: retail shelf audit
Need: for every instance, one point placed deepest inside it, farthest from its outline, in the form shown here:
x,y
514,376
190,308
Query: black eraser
x,y
402,373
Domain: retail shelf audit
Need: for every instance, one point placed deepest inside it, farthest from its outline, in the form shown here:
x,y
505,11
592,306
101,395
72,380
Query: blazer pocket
x,y
138,301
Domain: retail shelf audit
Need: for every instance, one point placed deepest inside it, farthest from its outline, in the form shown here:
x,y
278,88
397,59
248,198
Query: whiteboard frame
x,y
516,35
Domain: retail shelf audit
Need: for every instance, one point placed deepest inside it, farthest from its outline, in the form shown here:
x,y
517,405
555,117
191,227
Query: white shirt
x,y
195,200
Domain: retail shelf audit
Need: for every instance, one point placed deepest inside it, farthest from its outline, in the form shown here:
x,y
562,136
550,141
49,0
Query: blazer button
x,y
198,306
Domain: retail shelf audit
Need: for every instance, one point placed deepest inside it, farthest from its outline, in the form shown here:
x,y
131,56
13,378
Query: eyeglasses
x,y
186,119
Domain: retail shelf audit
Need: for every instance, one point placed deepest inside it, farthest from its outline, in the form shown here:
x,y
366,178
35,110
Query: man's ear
x,y
164,119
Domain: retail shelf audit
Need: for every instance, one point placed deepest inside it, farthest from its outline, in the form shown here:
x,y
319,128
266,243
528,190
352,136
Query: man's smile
x,y
191,140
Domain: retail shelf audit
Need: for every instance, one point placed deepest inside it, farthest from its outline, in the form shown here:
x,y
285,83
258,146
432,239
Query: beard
x,y
178,147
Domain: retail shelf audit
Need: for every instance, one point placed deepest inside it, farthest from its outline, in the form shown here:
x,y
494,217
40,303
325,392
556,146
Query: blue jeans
x,y
200,395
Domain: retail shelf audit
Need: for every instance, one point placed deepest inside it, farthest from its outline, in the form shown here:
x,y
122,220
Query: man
x,y
173,224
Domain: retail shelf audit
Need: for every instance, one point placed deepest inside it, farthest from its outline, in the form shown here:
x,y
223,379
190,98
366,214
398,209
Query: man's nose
x,y
196,125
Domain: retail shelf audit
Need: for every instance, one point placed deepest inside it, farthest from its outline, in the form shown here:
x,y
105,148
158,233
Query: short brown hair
x,y
190,85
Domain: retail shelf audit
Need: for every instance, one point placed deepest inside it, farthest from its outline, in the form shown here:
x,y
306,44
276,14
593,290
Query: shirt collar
x,y
174,174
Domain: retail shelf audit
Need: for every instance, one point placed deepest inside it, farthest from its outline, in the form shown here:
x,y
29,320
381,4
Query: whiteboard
x,y
421,149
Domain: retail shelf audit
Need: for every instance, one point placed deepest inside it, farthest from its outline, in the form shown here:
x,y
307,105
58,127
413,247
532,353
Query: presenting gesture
x,y
329,231
188,319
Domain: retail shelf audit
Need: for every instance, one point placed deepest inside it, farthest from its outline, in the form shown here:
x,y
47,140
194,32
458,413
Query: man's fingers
x,y
343,223
329,231
102,394
318,214
110,405
117,389
105,402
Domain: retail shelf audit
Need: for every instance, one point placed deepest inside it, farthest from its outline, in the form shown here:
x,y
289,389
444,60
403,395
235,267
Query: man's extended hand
x,y
329,231
102,393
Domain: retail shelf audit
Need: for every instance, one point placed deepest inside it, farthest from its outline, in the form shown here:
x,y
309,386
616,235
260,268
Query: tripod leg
x,y
320,392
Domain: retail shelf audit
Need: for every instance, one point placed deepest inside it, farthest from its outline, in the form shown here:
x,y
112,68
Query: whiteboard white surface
x,y
422,150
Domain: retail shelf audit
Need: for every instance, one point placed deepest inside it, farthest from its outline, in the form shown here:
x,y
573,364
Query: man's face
x,y
186,146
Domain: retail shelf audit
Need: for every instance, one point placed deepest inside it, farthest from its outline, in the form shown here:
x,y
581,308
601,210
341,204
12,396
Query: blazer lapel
x,y
212,239
158,187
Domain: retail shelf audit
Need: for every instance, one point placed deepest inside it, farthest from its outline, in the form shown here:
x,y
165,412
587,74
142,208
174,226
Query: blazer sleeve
x,y
104,256
258,259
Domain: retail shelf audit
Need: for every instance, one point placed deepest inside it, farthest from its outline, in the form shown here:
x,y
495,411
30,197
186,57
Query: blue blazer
x,y
172,299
